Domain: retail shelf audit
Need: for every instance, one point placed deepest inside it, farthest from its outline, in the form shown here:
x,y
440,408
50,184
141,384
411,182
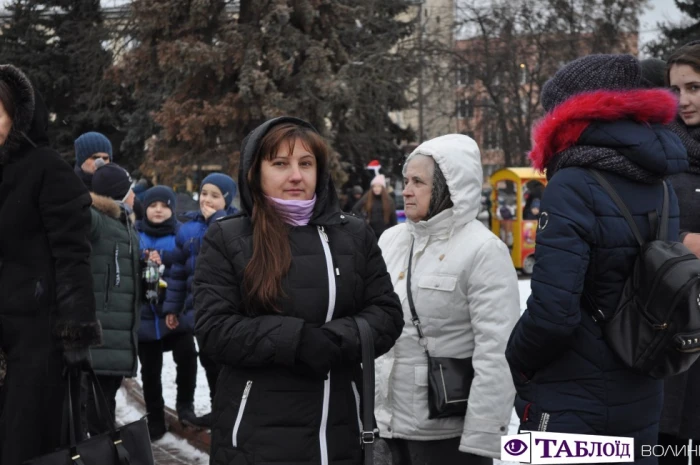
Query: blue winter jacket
x,y
153,326
188,241
567,378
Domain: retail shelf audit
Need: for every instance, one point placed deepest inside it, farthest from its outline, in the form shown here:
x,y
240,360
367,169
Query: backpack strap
x,y
607,187
663,227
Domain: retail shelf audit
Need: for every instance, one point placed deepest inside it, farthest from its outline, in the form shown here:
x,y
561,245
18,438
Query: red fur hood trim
x,y
561,128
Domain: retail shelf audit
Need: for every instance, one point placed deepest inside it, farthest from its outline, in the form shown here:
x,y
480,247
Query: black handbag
x,y
449,379
128,445
369,432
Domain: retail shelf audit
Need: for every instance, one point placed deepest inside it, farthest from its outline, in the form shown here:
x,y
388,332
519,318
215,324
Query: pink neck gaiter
x,y
294,212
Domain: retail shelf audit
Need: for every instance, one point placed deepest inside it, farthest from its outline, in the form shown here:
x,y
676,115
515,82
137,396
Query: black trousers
x,y
32,395
670,459
110,385
151,357
443,452
212,370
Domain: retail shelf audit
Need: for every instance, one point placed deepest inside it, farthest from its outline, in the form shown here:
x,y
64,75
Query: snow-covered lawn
x,y
202,402
129,411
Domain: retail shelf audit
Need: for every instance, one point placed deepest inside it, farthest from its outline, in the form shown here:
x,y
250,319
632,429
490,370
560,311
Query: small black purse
x,y
449,379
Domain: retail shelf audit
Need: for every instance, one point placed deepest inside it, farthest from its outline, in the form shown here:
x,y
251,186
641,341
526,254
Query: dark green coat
x,y
115,262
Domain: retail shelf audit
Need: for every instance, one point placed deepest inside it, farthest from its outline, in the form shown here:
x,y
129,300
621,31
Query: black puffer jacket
x,y
46,300
266,410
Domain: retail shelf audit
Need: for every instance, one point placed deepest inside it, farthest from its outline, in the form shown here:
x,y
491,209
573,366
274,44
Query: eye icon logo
x,y
515,447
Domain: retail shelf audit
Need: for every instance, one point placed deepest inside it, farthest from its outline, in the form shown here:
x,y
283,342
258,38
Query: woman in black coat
x,y
680,419
376,207
275,293
47,308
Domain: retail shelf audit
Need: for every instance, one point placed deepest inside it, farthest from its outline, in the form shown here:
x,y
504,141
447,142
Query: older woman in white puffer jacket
x,y
465,292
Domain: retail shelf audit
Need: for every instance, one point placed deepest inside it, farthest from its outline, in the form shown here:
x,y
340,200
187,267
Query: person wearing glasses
x,y
89,148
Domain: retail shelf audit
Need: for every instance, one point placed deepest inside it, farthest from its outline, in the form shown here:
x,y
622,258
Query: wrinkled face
x,y
418,184
212,197
5,124
290,176
685,82
377,189
158,212
88,165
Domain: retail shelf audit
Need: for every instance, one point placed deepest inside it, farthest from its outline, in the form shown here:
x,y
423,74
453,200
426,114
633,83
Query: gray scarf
x,y
690,136
440,199
601,158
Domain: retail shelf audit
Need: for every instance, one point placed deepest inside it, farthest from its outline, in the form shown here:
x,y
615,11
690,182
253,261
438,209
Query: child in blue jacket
x,y
216,195
160,332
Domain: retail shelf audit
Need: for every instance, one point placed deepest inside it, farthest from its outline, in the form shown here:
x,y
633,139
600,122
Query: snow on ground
x,y
201,396
129,411
202,403
524,289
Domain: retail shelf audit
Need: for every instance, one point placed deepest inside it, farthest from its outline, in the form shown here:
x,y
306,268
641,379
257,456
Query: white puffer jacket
x,y
465,291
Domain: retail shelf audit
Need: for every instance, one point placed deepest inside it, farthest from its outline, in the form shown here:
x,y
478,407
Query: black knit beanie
x,y
111,180
591,73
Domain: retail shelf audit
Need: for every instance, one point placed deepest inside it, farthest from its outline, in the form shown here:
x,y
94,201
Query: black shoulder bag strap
x,y
607,187
414,316
661,232
368,433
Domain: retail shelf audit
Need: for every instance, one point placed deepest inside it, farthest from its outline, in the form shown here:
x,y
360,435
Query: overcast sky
x,y
660,11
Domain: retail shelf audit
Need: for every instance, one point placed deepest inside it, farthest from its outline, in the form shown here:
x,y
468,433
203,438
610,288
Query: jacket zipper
x,y
107,282
239,417
117,275
329,316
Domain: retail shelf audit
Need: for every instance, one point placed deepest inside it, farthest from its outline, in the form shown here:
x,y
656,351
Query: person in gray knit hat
x,y
567,378
592,72
680,419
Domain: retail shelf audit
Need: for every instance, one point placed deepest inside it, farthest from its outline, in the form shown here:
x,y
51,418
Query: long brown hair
x,y
272,255
686,55
386,204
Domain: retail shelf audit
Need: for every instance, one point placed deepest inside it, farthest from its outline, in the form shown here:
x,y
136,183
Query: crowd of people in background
x,y
96,277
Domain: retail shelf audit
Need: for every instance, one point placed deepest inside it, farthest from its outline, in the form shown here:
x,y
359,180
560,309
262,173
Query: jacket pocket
x,y
241,410
23,292
437,293
420,395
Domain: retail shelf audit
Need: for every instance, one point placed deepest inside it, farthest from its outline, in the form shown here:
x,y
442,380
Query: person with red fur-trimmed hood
x,y
567,378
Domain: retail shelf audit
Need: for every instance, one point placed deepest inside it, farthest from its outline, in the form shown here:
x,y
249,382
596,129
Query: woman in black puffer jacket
x,y
680,418
275,291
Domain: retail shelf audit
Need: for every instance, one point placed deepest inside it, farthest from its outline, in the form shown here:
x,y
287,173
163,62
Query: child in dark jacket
x,y
115,268
215,197
159,332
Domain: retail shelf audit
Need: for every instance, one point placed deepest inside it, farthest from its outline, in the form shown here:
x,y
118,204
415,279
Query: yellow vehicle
x,y
515,211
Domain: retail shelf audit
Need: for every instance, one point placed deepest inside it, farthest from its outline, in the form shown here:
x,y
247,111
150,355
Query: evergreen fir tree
x,y
59,45
674,36
208,76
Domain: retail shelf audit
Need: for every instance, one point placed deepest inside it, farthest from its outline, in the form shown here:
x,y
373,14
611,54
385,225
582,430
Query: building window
x,y
465,109
492,136
465,75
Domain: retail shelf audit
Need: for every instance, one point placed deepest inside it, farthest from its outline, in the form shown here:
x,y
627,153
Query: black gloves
x,y
317,352
77,359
